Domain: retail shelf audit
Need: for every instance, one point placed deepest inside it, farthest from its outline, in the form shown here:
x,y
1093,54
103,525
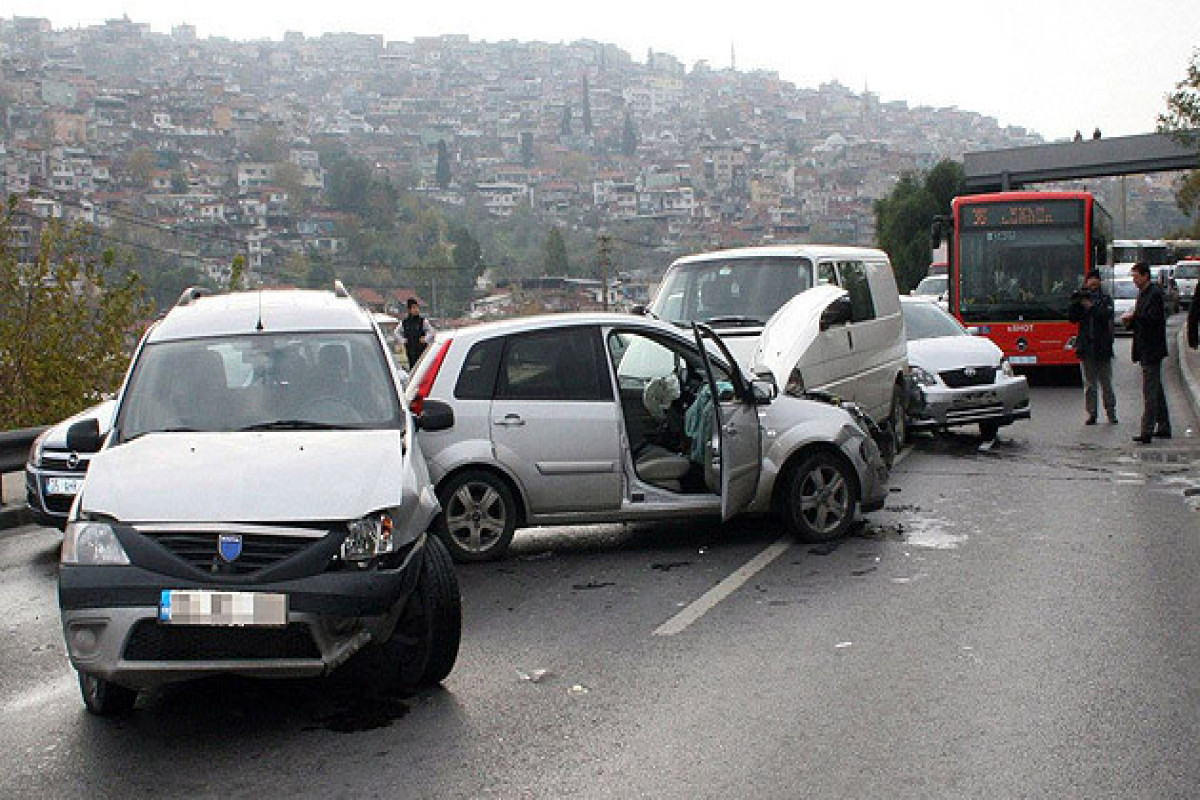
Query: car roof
x,y
562,320
811,251
267,310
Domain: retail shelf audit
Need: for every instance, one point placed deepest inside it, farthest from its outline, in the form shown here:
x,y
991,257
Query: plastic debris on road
x,y
533,676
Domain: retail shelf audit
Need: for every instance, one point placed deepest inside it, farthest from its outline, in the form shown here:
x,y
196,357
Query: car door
x,y
739,439
554,420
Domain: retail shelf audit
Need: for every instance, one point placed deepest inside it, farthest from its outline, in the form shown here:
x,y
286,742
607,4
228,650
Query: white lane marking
x,y
707,601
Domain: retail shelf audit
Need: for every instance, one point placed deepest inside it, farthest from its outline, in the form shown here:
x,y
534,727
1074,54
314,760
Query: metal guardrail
x,y
14,448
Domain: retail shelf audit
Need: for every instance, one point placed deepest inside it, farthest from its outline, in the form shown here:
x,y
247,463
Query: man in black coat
x,y
1092,308
1148,321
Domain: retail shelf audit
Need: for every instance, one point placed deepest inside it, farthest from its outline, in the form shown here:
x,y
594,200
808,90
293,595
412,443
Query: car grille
x,y
152,641
58,461
259,551
957,378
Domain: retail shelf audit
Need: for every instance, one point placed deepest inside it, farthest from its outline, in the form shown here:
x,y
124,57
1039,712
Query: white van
x,y
847,338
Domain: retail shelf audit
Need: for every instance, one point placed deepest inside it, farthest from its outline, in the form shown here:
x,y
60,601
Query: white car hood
x,y
791,331
953,352
269,476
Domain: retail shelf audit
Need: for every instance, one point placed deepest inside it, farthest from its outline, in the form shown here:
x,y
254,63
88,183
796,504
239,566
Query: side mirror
x,y
639,310
839,312
764,390
435,416
84,437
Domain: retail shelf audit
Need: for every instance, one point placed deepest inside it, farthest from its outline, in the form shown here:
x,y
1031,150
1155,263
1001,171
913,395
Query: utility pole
x,y
605,242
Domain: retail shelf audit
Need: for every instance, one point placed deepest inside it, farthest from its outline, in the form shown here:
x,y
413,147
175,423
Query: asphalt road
x,y
1018,621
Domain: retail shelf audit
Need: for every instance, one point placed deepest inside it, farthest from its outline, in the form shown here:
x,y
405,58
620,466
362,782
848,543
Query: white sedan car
x,y
959,379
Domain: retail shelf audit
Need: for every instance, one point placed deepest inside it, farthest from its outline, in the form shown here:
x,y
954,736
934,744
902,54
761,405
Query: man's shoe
x,y
1090,421
1144,439
1112,420
1162,434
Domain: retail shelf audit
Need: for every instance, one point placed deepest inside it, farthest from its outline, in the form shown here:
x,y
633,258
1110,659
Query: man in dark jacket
x,y
1148,321
1092,308
416,332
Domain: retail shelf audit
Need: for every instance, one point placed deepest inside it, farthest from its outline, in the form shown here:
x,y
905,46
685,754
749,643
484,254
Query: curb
x,y
1190,380
15,517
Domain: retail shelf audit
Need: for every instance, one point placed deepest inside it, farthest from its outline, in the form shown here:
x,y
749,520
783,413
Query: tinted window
x,y
561,364
477,381
854,281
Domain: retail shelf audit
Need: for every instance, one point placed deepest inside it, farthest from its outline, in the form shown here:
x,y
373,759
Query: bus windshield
x,y
1019,274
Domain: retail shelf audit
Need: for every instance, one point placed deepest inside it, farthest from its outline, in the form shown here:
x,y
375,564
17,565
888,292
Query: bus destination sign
x,y
1021,214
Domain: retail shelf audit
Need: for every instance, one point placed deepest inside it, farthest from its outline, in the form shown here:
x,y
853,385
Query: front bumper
x,y
49,509
110,618
1001,402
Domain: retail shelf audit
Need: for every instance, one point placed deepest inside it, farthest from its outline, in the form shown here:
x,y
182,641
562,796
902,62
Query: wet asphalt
x,y
1018,621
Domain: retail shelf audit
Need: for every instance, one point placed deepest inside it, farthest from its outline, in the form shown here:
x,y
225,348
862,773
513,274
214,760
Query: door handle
x,y
730,430
510,420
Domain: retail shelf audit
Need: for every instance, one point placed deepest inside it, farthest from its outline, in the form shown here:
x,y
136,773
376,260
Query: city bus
x,y
1015,259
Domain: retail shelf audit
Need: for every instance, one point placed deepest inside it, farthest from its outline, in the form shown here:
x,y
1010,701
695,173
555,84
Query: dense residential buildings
x,y
222,139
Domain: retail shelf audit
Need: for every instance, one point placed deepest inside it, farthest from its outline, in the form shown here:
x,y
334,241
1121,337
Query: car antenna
x,y
259,326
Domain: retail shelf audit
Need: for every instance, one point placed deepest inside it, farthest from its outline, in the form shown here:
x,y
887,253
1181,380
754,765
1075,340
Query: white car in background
x,y
1187,273
934,287
1124,294
959,379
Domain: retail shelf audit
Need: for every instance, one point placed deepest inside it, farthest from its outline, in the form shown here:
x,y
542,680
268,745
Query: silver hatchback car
x,y
573,418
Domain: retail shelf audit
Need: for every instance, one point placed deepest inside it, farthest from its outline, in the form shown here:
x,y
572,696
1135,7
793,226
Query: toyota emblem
x,y
1022,344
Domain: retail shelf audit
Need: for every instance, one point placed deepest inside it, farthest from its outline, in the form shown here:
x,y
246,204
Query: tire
x,y
478,516
821,496
988,430
898,422
105,698
424,644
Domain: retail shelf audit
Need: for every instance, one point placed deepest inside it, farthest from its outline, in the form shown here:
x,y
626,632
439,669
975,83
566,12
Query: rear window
x,y
732,291
477,381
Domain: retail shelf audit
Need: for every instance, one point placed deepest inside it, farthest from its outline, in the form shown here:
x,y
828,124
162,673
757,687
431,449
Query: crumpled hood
x,y
953,352
791,331
268,476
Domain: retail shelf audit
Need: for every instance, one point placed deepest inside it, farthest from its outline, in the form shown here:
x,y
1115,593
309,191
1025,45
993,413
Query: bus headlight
x,y
1005,367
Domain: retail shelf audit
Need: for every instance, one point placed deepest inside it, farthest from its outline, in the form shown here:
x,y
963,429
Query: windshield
x,y
1125,290
731,292
925,320
1020,274
934,285
1188,271
295,381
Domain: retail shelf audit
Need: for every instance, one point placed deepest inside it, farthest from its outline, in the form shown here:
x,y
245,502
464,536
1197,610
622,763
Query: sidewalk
x,y
12,501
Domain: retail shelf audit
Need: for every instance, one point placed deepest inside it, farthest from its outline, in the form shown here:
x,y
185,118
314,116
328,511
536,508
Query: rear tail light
x,y
427,377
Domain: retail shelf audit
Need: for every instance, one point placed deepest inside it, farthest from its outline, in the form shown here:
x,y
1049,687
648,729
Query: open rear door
x,y
738,448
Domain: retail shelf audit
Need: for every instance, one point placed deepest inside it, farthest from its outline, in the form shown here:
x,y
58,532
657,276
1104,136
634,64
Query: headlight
x,y
1006,367
368,537
92,544
923,376
35,450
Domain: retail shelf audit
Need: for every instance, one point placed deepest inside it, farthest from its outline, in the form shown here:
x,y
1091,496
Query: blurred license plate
x,y
68,486
1022,359
198,607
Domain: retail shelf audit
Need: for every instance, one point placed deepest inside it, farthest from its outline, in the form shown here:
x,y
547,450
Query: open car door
x,y
738,446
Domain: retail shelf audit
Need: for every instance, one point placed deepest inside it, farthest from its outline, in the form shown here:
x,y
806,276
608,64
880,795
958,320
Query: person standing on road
x,y
1148,321
1092,308
417,332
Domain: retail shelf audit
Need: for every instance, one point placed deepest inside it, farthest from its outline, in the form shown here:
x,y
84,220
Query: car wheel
x,y
988,430
424,644
821,497
898,421
105,698
478,516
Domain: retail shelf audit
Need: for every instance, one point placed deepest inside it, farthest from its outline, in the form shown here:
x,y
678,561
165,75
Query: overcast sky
x,y
1054,66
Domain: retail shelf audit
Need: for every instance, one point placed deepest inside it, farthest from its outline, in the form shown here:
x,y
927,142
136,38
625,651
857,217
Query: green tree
x,y
68,318
587,108
179,184
265,144
443,165
139,166
554,254
237,274
527,148
290,179
629,137
1182,121
903,219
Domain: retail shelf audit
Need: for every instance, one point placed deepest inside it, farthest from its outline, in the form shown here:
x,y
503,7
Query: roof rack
x,y
191,294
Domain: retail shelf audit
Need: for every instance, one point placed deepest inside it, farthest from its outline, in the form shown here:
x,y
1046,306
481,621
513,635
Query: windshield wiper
x,y
733,320
294,425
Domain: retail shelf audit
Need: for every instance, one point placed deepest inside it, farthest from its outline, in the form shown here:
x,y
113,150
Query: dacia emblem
x,y
229,545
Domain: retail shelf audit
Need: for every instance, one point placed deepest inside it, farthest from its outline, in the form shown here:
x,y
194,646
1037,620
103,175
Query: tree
x,y
139,166
1182,121
554,254
587,108
527,148
903,219
237,274
67,318
443,165
629,137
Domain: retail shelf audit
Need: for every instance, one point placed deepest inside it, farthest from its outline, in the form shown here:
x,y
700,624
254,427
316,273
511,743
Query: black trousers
x,y
1154,400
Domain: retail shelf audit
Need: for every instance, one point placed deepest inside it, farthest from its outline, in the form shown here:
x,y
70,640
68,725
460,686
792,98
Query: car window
x,y
854,281
559,364
477,380
924,320
329,378
826,275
